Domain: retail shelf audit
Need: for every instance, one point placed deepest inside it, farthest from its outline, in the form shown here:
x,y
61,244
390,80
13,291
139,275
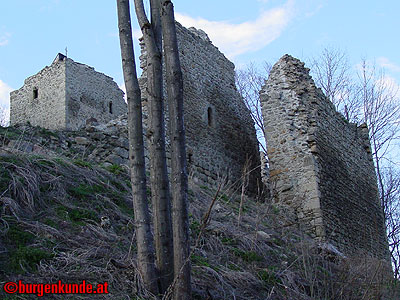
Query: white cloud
x,y
384,62
314,10
389,84
5,39
383,81
236,39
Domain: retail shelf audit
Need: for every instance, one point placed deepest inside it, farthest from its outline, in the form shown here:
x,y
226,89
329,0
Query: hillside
x,y
67,215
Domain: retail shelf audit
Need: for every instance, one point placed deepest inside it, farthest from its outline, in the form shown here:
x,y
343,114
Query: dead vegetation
x,y
72,221
62,221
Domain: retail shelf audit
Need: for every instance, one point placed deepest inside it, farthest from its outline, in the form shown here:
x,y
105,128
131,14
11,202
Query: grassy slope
x,y
65,219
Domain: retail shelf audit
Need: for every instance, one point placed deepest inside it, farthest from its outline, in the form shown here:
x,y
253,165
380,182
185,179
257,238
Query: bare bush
x,y
4,117
249,82
331,72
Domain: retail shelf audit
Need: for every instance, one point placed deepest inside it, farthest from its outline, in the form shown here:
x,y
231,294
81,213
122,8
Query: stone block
x,y
81,140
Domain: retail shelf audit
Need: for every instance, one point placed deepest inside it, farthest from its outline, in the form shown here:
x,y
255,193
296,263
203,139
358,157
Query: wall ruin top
x,y
320,164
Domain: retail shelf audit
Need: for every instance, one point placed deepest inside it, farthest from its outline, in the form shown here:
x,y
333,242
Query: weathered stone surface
x,y
325,160
81,140
220,132
124,153
48,109
263,235
115,159
65,95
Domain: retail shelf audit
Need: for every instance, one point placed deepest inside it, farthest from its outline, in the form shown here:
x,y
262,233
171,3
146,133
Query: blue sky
x,y
32,32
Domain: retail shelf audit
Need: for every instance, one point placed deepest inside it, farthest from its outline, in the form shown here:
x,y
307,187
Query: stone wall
x,y
65,95
46,108
90,94
220,133
320,164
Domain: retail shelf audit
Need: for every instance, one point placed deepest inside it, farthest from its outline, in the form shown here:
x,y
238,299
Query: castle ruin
x,y
220,134
65,95
320,164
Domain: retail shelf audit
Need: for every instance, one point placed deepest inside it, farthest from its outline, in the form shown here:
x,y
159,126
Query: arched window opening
x,y
110,108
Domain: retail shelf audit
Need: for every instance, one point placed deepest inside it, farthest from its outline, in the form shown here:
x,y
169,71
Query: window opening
x,y
110,108
210,116
35,93
190,158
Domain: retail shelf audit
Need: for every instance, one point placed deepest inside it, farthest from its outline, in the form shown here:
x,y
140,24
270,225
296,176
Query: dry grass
x,y
266,256
62,206
79,216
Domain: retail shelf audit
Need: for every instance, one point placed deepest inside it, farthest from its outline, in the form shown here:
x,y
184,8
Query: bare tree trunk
x,y
179,180
156,136
136,151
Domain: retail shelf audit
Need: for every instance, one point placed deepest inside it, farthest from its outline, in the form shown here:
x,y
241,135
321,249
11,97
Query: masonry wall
x,y
352,213
320,164
65,95
48,108
220,133
90,94
289,135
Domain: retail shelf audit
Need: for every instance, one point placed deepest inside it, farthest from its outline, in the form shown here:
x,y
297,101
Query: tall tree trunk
x,y
136,151
179,181
156,136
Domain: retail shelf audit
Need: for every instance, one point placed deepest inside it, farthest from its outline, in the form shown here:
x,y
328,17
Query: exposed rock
x,y
121,152
115,159
263,235
81,140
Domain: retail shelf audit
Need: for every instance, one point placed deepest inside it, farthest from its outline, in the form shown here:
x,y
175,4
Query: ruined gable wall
x,y
216,147
321,161
47,110
289,134
89,94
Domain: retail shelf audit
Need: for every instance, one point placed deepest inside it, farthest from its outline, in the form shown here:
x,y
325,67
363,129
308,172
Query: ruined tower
x,y
64,95
320,164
